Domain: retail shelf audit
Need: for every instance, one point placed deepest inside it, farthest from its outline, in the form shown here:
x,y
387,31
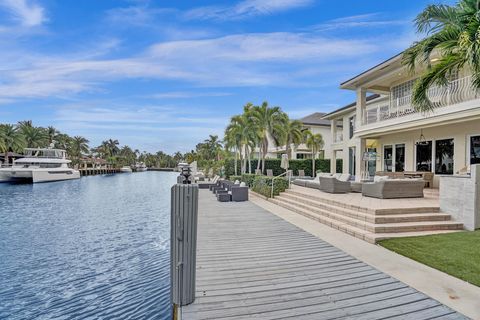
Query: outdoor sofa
x,y
394,188
335,184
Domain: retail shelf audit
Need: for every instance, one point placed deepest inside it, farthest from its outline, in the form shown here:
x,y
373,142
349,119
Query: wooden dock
x,y
252,264
96,171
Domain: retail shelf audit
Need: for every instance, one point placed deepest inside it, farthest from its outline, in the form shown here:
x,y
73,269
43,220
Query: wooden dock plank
x,y
253,265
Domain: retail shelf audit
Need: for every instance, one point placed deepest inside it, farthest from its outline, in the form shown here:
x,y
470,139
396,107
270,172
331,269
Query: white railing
x,y
288,173
454,92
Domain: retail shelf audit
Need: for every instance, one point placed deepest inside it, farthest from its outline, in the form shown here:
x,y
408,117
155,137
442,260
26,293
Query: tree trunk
x,y
249,161
313,164
244,166
264,153
236,154
259,157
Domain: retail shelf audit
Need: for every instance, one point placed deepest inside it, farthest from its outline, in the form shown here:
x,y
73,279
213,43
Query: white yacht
x,y
140,167
126,169
40,165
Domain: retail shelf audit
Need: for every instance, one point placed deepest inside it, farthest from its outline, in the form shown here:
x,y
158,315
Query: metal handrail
x,y
288,173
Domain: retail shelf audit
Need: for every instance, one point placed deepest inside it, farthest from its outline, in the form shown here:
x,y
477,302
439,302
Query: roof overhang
x,y
382,69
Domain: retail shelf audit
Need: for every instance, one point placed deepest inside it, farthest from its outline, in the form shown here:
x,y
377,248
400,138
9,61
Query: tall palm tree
x,y
13,139
233,139
314,143
293,135
51,133
269,121
78,146
112,147
453,34
35,137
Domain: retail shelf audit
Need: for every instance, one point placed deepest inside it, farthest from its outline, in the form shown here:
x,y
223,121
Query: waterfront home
x,y
384,123
316,124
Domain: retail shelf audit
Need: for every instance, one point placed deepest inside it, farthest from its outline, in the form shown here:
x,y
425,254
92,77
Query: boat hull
x,y
38,176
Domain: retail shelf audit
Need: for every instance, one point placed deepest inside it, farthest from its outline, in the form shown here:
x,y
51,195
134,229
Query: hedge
x,y
263,186
322,165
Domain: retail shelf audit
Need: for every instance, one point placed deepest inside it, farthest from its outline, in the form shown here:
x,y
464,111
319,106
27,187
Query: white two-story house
x,y
382,131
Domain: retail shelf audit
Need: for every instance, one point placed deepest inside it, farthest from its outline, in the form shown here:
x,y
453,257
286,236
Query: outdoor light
x,y
186,174
422,141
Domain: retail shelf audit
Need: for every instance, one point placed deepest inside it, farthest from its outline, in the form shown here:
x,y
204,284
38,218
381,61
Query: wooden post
x,y
183,243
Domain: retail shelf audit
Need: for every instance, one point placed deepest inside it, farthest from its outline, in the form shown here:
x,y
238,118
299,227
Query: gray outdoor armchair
x,y
394,188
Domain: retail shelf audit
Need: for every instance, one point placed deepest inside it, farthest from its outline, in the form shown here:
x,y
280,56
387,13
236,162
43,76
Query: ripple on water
x,y
94,248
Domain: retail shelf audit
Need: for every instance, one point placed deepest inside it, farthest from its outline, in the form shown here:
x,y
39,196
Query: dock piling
x,y
183,241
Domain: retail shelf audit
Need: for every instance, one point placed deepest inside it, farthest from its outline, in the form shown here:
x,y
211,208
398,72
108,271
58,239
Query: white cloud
x,y
370,20
28,13
234,60
187,95
245,9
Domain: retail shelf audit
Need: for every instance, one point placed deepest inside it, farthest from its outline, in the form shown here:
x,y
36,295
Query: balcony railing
x,y
454,92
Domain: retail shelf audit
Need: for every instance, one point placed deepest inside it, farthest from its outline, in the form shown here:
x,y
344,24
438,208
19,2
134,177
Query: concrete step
x,y
311,194
368,217
308,210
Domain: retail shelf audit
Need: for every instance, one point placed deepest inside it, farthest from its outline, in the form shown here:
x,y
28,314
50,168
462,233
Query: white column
x,y
361,105
360,147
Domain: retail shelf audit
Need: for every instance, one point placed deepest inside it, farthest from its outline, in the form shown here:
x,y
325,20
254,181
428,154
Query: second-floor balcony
x,y
387,108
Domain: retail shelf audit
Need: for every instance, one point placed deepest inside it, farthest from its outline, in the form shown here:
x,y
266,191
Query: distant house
x,y
316,124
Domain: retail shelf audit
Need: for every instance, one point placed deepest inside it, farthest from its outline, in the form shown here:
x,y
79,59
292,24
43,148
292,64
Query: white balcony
x,y
454,92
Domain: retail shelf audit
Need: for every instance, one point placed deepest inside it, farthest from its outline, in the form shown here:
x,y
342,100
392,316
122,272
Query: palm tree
x,y
233,139
112,147
35,137
78,146
314,143
269,121
453,33
51,133
13,139
293,135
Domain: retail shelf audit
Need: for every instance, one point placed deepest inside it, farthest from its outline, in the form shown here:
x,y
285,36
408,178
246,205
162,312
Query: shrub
x,y
294,164
263,186
248,179
235,178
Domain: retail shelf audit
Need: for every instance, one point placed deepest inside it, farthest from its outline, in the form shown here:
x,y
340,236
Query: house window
x,y
399,157
351,161
444,150
387,158
424,156
351,122
475,150
300,156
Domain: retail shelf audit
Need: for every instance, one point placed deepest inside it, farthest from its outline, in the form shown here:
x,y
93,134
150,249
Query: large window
x,y
387,158
351,161
424,156
399,157
351,122
474,149
444,156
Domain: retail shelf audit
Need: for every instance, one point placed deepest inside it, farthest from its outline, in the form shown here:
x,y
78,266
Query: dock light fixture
x,y
422,141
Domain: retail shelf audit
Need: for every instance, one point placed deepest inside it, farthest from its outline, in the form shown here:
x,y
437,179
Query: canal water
x,y
93,248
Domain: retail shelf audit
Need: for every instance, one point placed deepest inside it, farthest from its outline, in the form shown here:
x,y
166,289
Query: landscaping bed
x,y
457,254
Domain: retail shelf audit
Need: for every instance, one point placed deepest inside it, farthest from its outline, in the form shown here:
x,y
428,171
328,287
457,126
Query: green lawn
x,y
457,254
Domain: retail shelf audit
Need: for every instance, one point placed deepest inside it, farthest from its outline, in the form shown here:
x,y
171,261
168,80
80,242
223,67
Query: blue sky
x,y
163,75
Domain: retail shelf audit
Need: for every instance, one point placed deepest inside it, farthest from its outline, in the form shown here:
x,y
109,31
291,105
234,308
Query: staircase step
x,y
396,227
312,195
368,217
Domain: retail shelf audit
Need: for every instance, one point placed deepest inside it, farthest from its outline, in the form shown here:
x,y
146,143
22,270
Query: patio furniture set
x,y
382,187
227,191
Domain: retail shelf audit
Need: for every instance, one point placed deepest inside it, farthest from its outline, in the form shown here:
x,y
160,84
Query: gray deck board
x,y
253,265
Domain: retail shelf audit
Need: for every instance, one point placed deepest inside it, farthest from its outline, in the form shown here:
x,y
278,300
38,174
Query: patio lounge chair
x,y
334,184
394,188
269,173
258,172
